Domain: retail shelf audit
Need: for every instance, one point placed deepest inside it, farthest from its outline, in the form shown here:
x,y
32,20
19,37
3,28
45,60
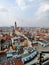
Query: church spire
x,y
15,26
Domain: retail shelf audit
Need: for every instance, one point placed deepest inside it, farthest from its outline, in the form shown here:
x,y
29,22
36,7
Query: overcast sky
x,y
31,13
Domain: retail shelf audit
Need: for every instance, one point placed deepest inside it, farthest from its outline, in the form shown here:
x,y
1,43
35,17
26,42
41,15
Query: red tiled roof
x,y
1,30
14,62
40,34
18,62
2,53
47,39
5,37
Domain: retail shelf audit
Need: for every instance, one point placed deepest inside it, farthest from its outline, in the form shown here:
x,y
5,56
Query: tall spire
x,y
15,26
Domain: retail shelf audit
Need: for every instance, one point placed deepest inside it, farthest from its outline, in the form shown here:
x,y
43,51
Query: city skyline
x,y
26,13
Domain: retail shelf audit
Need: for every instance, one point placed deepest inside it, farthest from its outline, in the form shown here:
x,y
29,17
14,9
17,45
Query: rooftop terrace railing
x,y
41,60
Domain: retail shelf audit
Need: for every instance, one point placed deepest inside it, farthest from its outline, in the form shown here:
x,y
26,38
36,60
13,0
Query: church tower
x,y
15,26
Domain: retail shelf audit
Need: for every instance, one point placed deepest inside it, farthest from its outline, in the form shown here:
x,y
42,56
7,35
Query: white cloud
x,y
41,11
3,10
24,12
43,8
31,0
22,4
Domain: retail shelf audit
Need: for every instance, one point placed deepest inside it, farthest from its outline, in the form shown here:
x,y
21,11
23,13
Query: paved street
x,y
40,48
